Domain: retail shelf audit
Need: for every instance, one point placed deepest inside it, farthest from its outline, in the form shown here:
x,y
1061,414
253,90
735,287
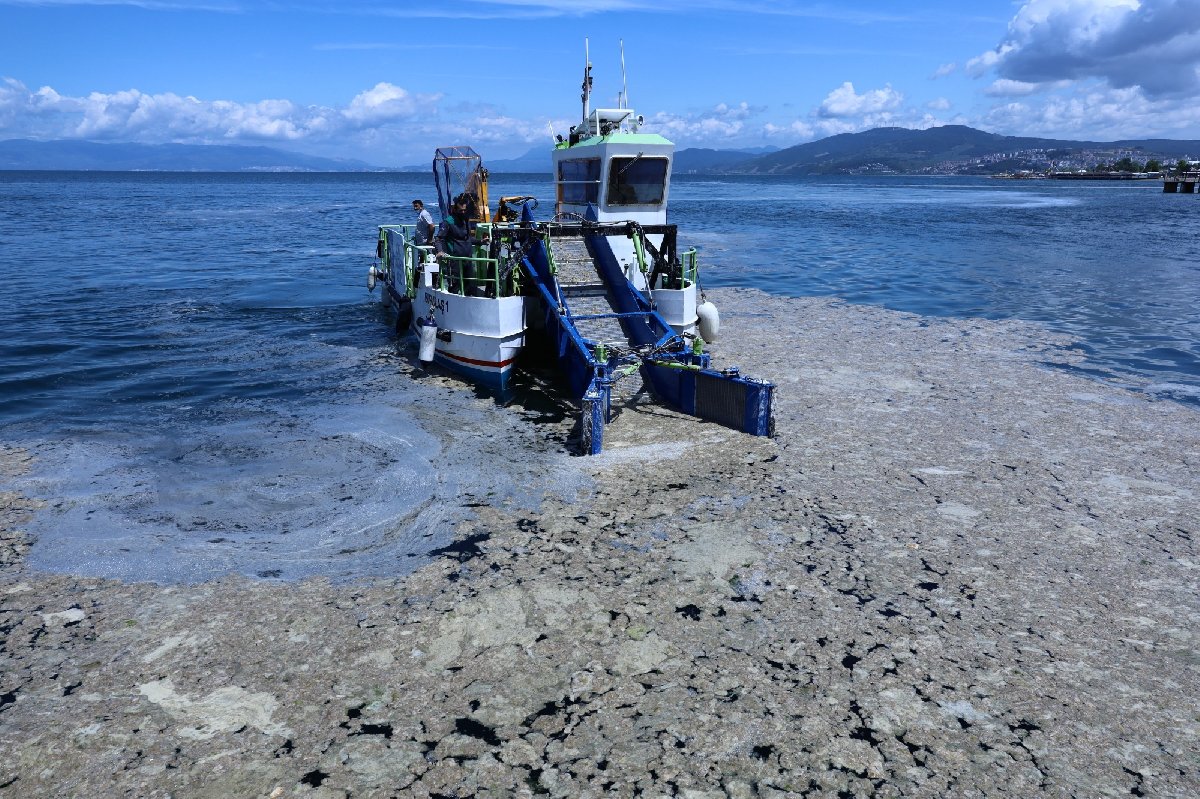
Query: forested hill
x,y
950,148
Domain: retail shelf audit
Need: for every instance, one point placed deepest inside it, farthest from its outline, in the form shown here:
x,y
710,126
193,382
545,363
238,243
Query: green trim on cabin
x,y
631,138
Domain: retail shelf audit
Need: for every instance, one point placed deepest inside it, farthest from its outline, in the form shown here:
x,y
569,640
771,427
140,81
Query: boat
x,y
474,307
602,283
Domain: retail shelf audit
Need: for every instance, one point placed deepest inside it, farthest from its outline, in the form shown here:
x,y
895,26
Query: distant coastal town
x,y
1080,166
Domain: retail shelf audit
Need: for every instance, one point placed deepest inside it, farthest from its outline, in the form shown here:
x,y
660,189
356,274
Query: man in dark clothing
x,y
454,239
455,235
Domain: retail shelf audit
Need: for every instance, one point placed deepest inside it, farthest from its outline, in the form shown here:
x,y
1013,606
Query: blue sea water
x,y
208,388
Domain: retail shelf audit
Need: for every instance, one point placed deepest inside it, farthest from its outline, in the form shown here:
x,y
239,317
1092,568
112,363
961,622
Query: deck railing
x,y
467,276
470,276
691,266
480,276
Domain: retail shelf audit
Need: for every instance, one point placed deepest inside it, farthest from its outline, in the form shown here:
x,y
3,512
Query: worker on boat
x,y
454,239
424,233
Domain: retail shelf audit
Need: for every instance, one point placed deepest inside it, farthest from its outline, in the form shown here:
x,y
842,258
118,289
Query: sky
x,y
387,82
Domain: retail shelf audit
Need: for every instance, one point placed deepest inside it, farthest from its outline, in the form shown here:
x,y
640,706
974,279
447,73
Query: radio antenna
x,y
587,81
624,83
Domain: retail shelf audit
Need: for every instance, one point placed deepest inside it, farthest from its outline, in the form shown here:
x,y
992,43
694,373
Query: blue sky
x,y
388,82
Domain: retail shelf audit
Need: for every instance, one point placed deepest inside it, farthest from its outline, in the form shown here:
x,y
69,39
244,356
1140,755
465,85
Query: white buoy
x,y
371,279
428,340
709,321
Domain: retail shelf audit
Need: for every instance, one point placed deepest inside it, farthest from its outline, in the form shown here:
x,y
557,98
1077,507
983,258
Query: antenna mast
x,y
624,83
587,81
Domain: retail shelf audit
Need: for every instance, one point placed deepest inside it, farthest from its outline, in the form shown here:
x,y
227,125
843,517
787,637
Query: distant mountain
x,y
700,159
950,148
85,155
693,159
536,161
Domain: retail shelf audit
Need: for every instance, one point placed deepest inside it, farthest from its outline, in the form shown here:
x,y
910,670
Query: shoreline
x,y
953,571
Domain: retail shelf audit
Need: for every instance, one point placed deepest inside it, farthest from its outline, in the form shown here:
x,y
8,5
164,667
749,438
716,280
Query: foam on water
x,y
244,489
339,490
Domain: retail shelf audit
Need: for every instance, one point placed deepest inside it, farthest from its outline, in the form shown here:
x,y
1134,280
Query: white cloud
x,y
132,115
714,127
944,70
985,61
739,111
801,130
1100,113
1004,87
384,102
846,111
1150,44
845,102
796,131
135,116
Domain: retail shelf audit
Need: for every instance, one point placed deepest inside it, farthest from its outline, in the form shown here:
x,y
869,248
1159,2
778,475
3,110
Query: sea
x,y
206,387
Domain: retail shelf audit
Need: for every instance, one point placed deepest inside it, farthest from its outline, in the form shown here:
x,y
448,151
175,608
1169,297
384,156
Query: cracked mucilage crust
x,y
953,572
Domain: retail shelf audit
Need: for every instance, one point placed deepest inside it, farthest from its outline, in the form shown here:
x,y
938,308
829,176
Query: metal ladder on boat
x,y
605,331
588,307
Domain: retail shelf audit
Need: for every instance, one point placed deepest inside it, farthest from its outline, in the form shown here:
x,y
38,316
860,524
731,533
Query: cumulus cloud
x,y
844,110
1150,44
726,125
981,63
713,127
739,111
382,103
1101,114
798,130
944,70
845,102
1004,87
132,115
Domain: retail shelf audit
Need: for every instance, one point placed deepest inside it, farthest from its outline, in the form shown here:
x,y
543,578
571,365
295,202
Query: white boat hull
x,y
477,337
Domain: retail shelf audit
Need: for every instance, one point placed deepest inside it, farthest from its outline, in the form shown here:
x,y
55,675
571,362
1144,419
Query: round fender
x,y
428,341
709,321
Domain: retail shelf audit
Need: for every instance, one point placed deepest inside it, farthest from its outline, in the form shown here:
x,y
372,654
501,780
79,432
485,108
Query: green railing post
x,y
549,253
639,249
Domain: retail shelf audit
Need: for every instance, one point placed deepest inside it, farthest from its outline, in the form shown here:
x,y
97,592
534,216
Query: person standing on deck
x,y
424,234
454,239
455,233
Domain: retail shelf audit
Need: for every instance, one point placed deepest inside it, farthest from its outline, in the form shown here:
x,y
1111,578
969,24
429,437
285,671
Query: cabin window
x,y
579,181
637,181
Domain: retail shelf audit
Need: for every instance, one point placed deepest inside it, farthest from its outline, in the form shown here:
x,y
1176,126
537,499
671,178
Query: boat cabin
x,y
607,171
